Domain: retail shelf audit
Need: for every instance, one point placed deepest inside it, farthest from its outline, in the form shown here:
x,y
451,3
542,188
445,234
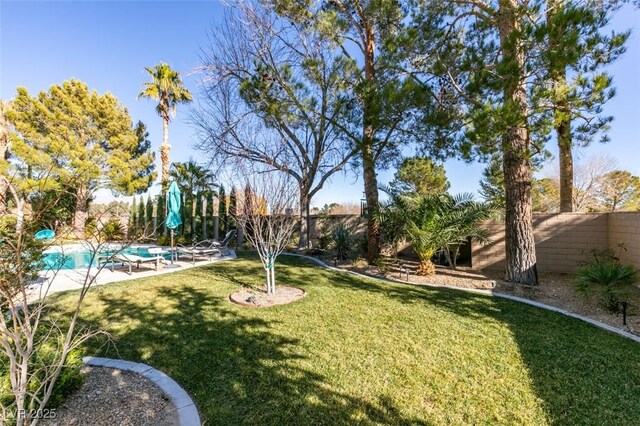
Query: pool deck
x,y
73,279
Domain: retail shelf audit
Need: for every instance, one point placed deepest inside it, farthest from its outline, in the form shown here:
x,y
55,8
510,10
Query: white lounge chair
x,y
130,259
194,252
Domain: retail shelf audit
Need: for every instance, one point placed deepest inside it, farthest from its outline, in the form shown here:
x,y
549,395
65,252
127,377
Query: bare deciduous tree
x,y
267,220
272,93
35,343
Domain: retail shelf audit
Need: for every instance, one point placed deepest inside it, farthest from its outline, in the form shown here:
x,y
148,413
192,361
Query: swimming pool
x,y
81,257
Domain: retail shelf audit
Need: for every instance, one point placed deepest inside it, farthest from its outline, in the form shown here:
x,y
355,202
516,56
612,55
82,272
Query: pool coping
x,y
185,407
591,321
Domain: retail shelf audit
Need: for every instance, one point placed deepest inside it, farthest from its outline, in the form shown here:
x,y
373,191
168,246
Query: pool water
x,y
81,259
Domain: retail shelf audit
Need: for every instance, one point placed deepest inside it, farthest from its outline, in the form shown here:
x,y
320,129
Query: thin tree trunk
x,y
80,214
304,242
562,113
368,164
165,150
519,242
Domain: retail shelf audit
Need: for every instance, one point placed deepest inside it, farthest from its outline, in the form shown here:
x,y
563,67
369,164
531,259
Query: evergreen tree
x,y
133,219
222,212
208,215
72,136
141,216
577,52
149,216
161,214
232,221
387,102
492,183
420,176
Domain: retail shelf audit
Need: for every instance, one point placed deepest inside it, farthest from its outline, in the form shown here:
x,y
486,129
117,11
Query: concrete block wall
x,y
624,228
563,238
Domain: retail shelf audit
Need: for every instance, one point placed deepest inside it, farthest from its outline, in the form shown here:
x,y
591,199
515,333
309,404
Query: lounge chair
x,y
207,248
130,259
194,252
224,244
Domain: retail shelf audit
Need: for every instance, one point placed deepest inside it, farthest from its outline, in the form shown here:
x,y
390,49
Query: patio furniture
x,y
194,252
220,245
130,259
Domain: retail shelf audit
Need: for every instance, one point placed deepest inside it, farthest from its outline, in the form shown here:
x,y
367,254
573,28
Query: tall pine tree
x,y
79,138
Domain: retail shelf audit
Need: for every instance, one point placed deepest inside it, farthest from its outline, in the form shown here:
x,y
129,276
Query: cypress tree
x,y
149,218
222,211
141,217
160,214
132,219
208,215
233,209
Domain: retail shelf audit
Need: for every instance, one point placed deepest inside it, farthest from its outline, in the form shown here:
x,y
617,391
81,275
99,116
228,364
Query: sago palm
x,y
168,89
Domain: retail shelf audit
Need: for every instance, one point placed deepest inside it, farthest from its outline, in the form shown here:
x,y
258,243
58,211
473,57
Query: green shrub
x,y
112,230
70,379
613,281
344,244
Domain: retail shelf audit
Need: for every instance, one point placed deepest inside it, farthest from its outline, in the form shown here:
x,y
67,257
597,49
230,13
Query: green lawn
x,y
364,351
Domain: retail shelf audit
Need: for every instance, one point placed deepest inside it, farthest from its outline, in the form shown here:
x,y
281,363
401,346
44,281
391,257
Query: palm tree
x,y
167,88
434,223
194,181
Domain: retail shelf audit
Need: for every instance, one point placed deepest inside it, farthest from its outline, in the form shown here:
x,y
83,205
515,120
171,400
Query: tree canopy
x,y
72,136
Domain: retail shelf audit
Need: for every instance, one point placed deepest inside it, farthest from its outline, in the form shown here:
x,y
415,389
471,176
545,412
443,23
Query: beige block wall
x,y
356,223
624,228
561,240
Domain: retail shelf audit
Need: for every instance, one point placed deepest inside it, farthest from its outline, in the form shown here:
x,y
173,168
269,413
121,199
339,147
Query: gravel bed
x,y
554,289
113,397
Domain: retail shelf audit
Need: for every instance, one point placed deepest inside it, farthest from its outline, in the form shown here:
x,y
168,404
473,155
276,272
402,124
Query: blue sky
x,y
108,44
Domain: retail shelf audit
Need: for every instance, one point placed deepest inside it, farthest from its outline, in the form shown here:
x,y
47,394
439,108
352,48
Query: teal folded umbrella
x,y
173,211
173,207
45,234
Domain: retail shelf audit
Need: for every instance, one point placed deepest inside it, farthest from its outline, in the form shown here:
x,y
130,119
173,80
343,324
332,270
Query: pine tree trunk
x,y
80,215
519,241
165,149
368,164
563,131
562,113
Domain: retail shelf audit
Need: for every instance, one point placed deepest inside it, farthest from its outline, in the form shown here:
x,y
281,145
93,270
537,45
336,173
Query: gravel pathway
x,y
554,289
113,397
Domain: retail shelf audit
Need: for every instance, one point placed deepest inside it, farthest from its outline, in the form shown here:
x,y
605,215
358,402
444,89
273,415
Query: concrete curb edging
x,y
187,411
478,291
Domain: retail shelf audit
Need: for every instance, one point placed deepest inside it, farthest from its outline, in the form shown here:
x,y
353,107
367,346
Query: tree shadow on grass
x,y
581,374
235,367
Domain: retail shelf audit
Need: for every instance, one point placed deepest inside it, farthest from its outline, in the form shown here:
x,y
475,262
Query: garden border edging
x,y
186,408
478,291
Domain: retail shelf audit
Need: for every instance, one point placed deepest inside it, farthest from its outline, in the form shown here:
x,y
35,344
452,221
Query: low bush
x,y
613,281
113,230
344,244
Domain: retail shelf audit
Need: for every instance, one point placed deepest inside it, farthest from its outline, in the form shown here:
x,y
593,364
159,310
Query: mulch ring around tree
x,y
258,298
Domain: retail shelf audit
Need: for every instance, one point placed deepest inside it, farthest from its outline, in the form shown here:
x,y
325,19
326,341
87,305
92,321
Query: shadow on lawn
x,y
582,374
236,368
